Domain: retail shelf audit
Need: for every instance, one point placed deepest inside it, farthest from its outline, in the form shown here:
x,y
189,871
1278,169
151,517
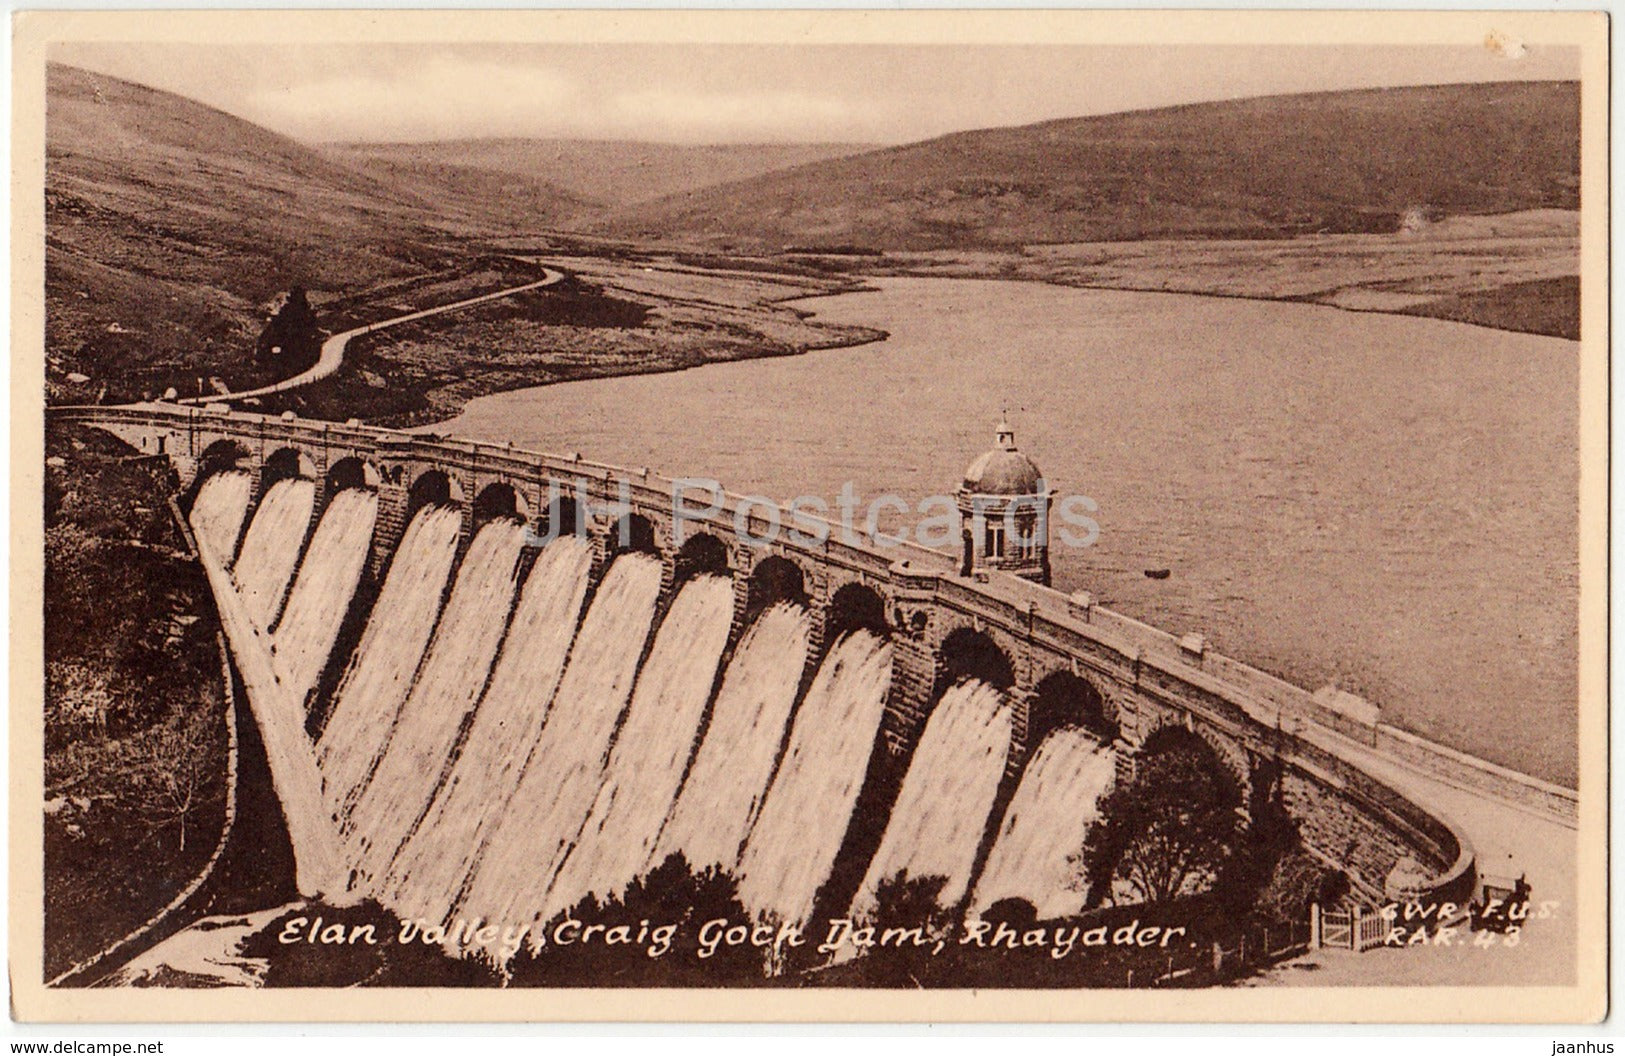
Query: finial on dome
x,y
1005,437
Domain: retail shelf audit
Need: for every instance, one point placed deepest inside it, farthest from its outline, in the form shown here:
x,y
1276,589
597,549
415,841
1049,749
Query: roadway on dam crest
x,y
1508,839
332,354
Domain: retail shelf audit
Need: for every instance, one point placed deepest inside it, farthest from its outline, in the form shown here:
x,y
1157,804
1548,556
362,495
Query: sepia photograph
x,y
827,515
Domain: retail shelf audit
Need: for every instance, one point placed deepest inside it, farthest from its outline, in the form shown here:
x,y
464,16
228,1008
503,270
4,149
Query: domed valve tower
x,y
1004,511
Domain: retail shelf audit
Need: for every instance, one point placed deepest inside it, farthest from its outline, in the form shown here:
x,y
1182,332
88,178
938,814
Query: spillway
x,y
653,747
562,777
792,848
324,587
940,817
219,510
448,686
277,711
724,789
1045,825
427,874
271,547
380,673
493,755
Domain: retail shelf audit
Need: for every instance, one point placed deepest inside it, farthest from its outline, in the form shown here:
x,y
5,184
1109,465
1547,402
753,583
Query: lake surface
x,y
1383,502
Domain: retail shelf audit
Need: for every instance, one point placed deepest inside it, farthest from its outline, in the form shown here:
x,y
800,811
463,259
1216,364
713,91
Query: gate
x,y
1356,929
1336,928
1370,930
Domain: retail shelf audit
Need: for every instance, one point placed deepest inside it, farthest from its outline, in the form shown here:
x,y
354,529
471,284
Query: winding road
x,y
332,355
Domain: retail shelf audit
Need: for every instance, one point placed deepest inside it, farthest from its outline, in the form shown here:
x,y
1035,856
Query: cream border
x,y
33,31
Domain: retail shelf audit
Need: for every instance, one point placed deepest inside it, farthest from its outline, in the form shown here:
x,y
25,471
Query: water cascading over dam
x,y
653,746
724,791
509,883
380,674
485,757
270,552
1044,825
448,683
220,511
506,728
941,813
425,879
498,749
325,586
793,845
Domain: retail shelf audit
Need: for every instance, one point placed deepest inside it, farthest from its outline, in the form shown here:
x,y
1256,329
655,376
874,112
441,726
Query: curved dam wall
x,y
422,560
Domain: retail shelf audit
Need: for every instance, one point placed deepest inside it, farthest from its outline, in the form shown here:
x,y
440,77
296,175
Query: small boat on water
x,y
1157,573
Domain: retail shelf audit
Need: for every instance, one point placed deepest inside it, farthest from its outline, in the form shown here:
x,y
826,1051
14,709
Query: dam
x,y
492,682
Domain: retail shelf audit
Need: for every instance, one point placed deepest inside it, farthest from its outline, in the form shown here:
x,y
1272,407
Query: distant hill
x,y
1254,168
607,172
170,225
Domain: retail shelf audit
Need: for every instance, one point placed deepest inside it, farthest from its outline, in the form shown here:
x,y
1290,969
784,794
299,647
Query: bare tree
x,y
172,783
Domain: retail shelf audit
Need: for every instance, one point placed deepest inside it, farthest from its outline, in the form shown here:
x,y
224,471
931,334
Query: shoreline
x,y
876,335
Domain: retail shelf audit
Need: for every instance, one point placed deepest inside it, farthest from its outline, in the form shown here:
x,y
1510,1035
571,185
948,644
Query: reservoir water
x,y
1383,502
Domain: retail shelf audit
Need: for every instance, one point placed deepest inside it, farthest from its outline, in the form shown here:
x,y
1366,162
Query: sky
x,y
754,93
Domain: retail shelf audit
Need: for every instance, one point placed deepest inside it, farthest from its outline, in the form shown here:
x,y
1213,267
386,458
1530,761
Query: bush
x,y
1297,881
908,919
1170,831
673,895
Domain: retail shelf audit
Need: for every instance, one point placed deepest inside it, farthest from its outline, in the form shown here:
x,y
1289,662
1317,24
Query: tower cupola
x,y
1004,511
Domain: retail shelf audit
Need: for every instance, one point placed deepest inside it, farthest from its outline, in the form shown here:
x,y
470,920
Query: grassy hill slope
x,y
1348,161
171,224
609,172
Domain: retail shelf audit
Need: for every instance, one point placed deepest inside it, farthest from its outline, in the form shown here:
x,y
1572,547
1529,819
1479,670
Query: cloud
x,y
446,96
442,96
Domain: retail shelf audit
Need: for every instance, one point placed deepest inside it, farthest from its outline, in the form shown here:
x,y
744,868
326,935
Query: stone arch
x,y
283,464
1179,735
498,499
352,471
1234,758
633,532
700,553
563,517
432,487
220,457
1063,699
968,653
853,607
774,578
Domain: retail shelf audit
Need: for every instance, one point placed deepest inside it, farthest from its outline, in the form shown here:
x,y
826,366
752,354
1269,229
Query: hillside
x,y
1355,161
170,225
611,173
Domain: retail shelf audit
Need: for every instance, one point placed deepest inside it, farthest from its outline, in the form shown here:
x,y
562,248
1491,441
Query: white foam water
x,y
563,774
218,513
942,808
271,547
653,747
279,715
435,862
447,687
324,587
1044,827
724,789
792,848
380,673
